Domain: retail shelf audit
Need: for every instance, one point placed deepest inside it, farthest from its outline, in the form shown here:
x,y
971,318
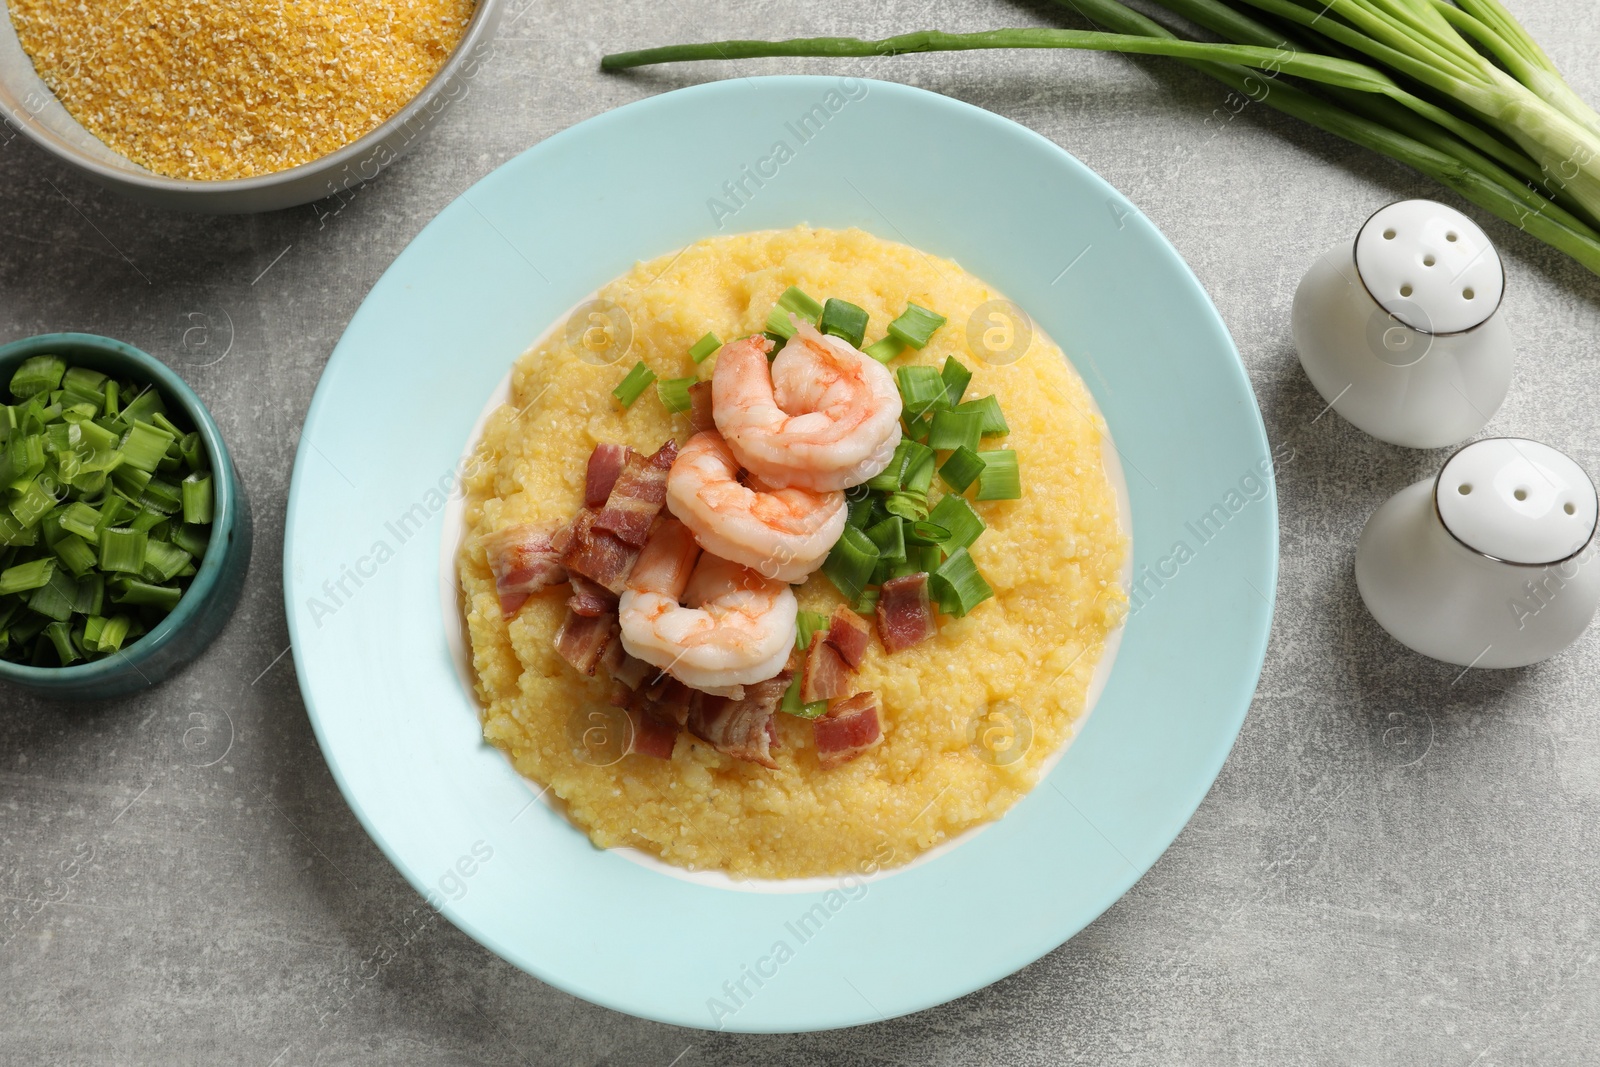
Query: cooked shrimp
x,y
783,533
710,623
823,416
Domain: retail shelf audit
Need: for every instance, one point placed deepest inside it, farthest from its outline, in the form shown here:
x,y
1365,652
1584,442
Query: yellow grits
x,y
957,709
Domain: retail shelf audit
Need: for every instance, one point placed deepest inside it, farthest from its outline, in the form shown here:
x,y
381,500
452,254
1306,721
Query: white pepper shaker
x,y
1489,564
1400,330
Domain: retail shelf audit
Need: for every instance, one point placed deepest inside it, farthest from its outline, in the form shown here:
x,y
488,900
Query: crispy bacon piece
x,y
596,554
905,614
827,676
743,728
605,463
651,735
850,728
623,668
583,639
849,634
700,411
589,599
672,700
636,498
667,560
523,561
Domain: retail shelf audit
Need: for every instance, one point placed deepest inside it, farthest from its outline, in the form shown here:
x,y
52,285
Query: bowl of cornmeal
x,y
230,106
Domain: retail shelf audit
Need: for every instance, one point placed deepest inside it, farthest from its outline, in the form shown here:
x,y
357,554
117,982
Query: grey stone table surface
x,y
1396,865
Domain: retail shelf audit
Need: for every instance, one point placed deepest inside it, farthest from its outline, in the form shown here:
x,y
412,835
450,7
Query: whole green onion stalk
x,y
1459,91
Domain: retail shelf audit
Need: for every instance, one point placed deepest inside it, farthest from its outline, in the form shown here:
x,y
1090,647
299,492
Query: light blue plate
x,y
495,269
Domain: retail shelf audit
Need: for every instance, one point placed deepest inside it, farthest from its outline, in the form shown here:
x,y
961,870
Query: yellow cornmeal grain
x,y
211,89
1053,558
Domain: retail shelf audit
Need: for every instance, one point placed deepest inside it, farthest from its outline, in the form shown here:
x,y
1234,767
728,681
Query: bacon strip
x,y
605,463
850,728
598,555
700,413
651,735
636,498
743,728
666,561
849,634
523,561
905,614
589,599
623,668
827,674
583,639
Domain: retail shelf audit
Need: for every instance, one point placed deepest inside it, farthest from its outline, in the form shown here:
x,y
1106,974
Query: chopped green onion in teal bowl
x,y
125,533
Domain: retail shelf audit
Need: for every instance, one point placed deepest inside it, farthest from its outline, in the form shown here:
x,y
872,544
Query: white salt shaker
x,y
1399,329
1489,564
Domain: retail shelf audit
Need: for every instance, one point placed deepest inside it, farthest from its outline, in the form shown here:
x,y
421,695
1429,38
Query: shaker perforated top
x,y
1430,266
1517,500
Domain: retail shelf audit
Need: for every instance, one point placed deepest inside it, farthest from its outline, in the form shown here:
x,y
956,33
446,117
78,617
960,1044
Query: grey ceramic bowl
x,y
214,591
29,106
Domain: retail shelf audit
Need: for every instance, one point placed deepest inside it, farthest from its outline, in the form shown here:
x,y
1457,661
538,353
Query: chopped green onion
x,y
23,461
961,469
999,480
144,445
60,635
31,503
843,319
702,349
955,429
924,558
114,633
130,480
886,349
91,595
956,376
989,406
112,512
916,325
162,496
793,301
807,624
55,598
192,539
26,576
921,390
793,705
860,511
957,516
926,532
197,501
674,394
919,471
113,392
163,561
141,407
957,584
194,453
142,594
889,536
147,519
14,534
866,603
909,505
778,341
85,383
123,550
637,381
909,457
38,374
75,554
850,563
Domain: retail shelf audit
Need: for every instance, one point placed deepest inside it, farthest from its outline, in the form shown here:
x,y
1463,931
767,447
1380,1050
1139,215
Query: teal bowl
x,y
212,594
